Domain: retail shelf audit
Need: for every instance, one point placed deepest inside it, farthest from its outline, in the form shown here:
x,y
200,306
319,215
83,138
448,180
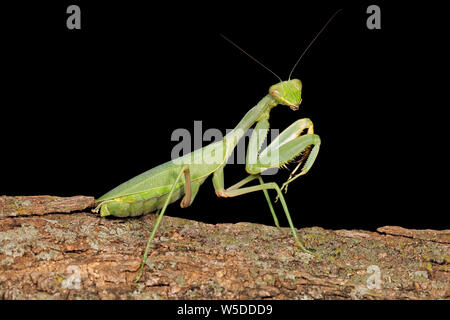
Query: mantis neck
x,y
262,109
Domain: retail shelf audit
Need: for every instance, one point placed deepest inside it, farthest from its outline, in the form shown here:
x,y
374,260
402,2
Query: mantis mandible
x,y
156,188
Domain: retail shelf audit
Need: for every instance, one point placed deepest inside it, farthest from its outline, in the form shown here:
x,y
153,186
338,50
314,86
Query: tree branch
x,y
45,254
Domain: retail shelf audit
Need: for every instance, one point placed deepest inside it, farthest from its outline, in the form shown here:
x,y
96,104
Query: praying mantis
x,y
156,188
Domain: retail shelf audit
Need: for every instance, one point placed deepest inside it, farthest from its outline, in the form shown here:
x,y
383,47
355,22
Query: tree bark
x,y
56,248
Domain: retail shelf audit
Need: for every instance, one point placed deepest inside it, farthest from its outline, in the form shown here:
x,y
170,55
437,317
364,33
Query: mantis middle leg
x,y
266,186
218,181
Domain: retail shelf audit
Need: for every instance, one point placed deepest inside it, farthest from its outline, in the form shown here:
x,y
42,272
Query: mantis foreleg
x,y
308,164
285,148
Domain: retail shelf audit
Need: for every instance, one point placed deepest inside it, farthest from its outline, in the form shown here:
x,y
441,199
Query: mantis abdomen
x,y
138,204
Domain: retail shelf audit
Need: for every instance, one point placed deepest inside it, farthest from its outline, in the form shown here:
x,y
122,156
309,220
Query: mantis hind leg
x,y
160,216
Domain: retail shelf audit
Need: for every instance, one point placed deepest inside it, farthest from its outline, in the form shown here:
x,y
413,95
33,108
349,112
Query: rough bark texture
x,y
45,254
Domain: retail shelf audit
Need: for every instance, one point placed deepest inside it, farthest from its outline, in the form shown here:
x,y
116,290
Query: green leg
x,y
308,164
285,148
158,221
187,189
242,182
265,186
266,194
218,182
195,186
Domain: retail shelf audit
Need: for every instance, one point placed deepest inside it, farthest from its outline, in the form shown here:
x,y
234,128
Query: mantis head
x,y
288,93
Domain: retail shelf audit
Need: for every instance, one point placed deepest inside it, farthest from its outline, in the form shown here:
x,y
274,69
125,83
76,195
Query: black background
x,y
85,110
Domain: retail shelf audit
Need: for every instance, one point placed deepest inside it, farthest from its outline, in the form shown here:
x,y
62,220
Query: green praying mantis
x,y
156,188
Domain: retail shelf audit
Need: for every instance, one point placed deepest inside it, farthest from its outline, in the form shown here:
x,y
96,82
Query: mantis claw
x,y
97,208
285,187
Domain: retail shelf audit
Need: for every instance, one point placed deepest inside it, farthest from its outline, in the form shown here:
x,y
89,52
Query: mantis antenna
x,y
234,44
312,41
